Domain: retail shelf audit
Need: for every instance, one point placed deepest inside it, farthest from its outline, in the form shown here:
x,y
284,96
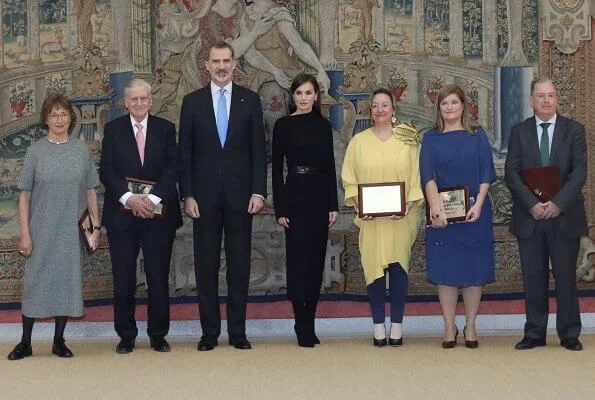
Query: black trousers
x,y
157,248
548,242
208,231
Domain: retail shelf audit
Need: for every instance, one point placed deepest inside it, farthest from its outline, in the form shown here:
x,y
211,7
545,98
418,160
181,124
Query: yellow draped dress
x,y
384,241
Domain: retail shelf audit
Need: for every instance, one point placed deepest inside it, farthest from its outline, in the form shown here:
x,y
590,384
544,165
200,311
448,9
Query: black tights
x,y
60,325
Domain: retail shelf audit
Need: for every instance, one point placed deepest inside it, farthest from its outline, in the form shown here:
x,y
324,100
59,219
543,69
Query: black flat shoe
x,y
158,343
379,342
207,343
125,346
395,342
20,351
470,344
529,343
60,349
571,344
449,344
240,343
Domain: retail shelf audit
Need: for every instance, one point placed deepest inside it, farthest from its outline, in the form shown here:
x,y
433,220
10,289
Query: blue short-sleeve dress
x,y
462,254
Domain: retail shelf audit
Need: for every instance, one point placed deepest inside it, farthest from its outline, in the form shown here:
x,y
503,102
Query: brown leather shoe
x,y
449,344
470,344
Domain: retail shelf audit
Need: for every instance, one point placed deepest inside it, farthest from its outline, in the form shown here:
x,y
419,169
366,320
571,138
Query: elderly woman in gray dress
x,y
57,184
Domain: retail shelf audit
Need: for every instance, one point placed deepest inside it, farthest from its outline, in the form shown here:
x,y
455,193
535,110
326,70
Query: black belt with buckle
x,y
305,170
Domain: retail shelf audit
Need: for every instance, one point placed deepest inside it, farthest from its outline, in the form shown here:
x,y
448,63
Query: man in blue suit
x,y
223,183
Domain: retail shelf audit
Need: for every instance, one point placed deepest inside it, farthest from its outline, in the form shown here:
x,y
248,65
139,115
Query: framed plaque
x,y
456,204
381,199
139,186
86,229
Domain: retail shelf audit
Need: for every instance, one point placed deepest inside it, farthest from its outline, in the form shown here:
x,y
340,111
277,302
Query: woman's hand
x,y
25,245
438,218
408,207
94,239
284,222
333,216
474,213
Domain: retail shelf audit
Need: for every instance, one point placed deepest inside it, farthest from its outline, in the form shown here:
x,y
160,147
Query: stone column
x,y
418,30
378,25
122,13
2,65
33,32
414,89
329,39
490,32
456,29
515,57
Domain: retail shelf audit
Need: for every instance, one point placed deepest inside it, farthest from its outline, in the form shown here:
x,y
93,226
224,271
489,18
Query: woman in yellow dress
x,y
384,153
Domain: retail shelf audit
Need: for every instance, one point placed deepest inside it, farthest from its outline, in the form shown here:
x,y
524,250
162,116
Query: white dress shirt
x,y
550,130
154,199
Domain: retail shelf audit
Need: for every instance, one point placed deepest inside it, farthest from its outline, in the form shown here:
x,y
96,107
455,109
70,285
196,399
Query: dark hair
x,y
56,100
465,118
222,45
298,81
544,79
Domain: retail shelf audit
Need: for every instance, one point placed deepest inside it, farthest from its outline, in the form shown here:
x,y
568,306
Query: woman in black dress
x,y
306,200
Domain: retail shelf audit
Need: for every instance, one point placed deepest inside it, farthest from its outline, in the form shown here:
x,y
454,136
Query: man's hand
x,y
255,205
284,222
139,206
191,207
538,211
550,210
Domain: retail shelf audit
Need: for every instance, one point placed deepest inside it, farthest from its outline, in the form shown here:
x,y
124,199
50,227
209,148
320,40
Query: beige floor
x,y
278,369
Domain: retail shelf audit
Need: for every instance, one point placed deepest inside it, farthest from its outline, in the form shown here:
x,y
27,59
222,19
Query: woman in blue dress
x,y
461,254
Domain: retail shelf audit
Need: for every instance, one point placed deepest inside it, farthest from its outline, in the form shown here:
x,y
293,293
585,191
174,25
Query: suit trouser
x,y
157,248
208,231
548,242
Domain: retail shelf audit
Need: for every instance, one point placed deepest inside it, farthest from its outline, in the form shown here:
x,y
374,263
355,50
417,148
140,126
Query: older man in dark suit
x,y
142,147
223,182
549,230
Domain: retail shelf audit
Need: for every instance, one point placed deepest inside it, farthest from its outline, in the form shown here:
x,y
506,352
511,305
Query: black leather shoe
x,y
316,340
20,351
207,343
125,346
529,343
60,349
395,342
240,343
571,344
158,343
379,342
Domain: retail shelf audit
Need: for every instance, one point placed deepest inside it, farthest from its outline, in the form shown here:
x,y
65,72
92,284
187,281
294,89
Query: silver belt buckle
x,y
302,169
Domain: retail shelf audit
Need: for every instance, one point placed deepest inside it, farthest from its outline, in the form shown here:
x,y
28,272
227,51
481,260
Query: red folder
x,y
544,182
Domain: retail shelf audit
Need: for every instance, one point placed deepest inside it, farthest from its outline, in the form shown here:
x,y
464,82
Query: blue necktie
x,y
222,117
544,144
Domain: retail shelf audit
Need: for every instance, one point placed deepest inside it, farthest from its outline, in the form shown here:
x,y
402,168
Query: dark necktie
x,y
544,144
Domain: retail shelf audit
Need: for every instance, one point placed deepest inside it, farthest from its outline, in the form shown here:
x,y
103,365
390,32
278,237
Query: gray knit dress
x,y
58,176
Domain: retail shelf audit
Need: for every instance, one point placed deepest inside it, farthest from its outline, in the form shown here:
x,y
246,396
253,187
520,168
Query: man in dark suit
x,y
140,146
549,230
223,183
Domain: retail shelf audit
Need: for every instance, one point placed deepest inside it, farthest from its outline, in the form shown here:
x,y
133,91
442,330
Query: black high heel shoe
x,y
60,349
395,342
449,344
470,344
379,342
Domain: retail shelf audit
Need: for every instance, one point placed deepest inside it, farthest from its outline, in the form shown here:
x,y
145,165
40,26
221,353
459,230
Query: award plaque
x,y
86,229
138,186
456,204
381,199
544,182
